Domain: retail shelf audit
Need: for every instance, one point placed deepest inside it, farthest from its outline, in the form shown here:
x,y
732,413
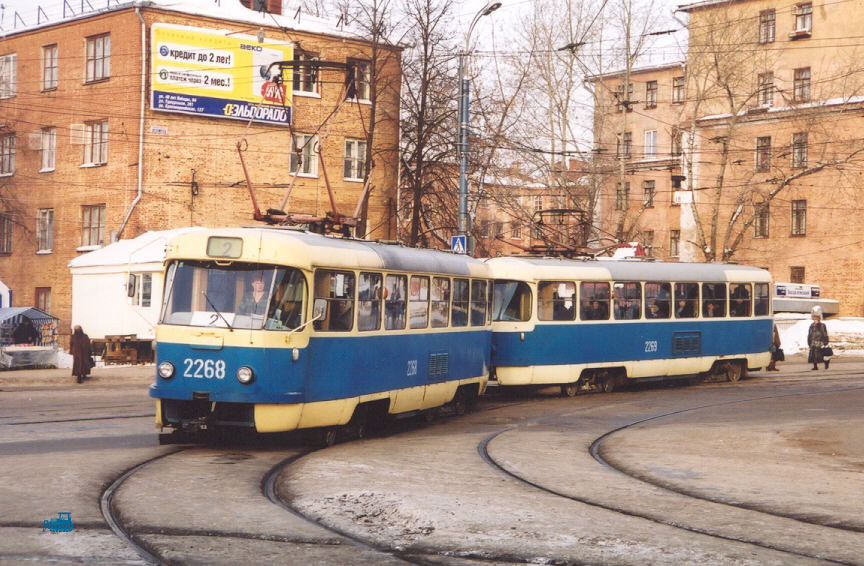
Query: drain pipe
x,y
140,124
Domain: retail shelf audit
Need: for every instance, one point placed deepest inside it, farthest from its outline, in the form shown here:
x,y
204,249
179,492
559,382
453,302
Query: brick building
x,y
96,143
770,141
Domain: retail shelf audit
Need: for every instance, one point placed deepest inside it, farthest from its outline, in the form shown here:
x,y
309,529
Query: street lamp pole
x,y
462,140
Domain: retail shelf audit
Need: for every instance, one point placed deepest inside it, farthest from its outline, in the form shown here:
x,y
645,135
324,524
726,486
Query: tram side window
x,y
555,300
713,300
287,310
459,312
628,301
511,301
479,298
686,300
440,302
761,300
334,300
394,302
418,302
594,301
739,299
369,302
658,298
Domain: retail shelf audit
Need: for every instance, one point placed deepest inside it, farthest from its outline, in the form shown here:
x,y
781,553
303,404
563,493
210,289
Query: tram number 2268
x,y
204,369
650,346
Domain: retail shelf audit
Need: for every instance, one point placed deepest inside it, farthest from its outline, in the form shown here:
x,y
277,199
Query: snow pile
x,y
846,335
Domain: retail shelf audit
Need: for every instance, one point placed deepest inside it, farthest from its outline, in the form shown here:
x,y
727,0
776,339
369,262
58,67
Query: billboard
x,y
208,72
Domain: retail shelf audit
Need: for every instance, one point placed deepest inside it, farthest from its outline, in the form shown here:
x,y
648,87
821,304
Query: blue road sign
x,y
458,244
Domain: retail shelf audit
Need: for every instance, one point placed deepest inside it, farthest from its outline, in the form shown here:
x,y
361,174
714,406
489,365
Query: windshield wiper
x,y
209,302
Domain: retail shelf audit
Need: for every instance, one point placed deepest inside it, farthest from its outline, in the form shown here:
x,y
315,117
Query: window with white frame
x,y
677,145
48,148
49,67
143,291
43,299
799,150
7,154
801,85
650,143
45,230
357,80
93,225
766,26
98,54
304,155
648,242
538,202
305,74
515,230
8,77
355,159
95,143
804,17
5,233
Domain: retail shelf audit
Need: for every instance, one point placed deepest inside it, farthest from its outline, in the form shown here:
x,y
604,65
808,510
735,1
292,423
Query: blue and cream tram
x,y
278,329
594,324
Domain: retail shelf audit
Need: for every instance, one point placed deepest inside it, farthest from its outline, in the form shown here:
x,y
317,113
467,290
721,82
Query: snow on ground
x,y
846,334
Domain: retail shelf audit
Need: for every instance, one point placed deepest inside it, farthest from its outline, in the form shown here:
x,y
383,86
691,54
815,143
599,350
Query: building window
x,y
648,242
624,101
7,154
766,26
760,222
651,94
515,230
357,83
804,18
625,145
49,67
674,243
538,203
96,143
5,233
678,90
796,274
8,81
763,153
304,155
650,143
355,159
677,145
305,76
45,230
93,225
766,89
143,291
43,299
799,150
648,191
799,217
48,148
801,85
622,196
98,58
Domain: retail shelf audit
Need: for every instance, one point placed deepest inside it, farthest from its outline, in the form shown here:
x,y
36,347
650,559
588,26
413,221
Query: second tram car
x,y
276,329
595,324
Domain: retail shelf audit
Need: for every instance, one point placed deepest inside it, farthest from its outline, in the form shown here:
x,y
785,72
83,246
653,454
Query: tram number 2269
x,y
204,369
650,346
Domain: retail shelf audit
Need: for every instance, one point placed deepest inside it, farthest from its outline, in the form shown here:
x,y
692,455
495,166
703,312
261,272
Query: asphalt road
x,y
769,470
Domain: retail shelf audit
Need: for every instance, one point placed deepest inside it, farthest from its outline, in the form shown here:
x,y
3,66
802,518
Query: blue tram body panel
x,y
575,343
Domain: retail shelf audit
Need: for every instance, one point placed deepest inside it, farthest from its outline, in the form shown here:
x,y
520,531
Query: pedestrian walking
x,y
82,360
817,339
776,351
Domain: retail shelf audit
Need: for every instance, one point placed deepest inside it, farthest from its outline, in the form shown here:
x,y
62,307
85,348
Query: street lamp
x,y
462,140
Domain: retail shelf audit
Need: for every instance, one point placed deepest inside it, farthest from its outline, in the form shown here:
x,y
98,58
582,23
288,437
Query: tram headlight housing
x,y
166,370
245,375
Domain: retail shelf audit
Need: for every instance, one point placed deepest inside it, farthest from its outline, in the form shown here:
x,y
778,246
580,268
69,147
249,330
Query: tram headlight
x,y
166,370
245,375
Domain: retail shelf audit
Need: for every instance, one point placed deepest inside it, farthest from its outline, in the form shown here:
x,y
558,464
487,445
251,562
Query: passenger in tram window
x,y
740,300
342,317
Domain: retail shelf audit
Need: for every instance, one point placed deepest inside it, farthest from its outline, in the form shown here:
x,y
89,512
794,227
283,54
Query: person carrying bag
x,y
817,340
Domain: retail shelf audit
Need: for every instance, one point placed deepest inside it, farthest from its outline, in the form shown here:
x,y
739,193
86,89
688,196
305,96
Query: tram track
x,y
595,451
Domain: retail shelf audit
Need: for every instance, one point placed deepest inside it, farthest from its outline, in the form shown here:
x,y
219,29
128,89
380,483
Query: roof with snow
x,y
149,247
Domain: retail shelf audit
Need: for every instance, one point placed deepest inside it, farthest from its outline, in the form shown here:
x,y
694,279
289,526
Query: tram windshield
x,y
238,295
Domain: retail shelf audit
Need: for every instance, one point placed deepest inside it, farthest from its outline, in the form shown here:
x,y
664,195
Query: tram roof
x,y
307,250
532,268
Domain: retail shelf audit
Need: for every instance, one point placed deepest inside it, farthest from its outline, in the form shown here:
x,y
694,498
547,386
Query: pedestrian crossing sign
x,y
458,244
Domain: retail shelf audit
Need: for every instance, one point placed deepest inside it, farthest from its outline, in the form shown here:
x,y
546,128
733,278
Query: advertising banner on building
x,y
208,72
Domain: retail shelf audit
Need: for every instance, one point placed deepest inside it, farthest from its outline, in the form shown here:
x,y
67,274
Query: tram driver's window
x,y
658,298
418,302
287,308
686,300
440,302
459,312
761,300
628,301
336,288
740,299
395,292
556,300
369,295
511,301
594,301
479,298
713,300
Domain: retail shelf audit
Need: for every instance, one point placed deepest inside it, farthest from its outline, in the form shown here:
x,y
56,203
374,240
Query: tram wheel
x,y
327,437
733,372
570,389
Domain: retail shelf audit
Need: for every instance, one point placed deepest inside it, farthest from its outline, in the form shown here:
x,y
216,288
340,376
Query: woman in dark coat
x,y
817,338
79,347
